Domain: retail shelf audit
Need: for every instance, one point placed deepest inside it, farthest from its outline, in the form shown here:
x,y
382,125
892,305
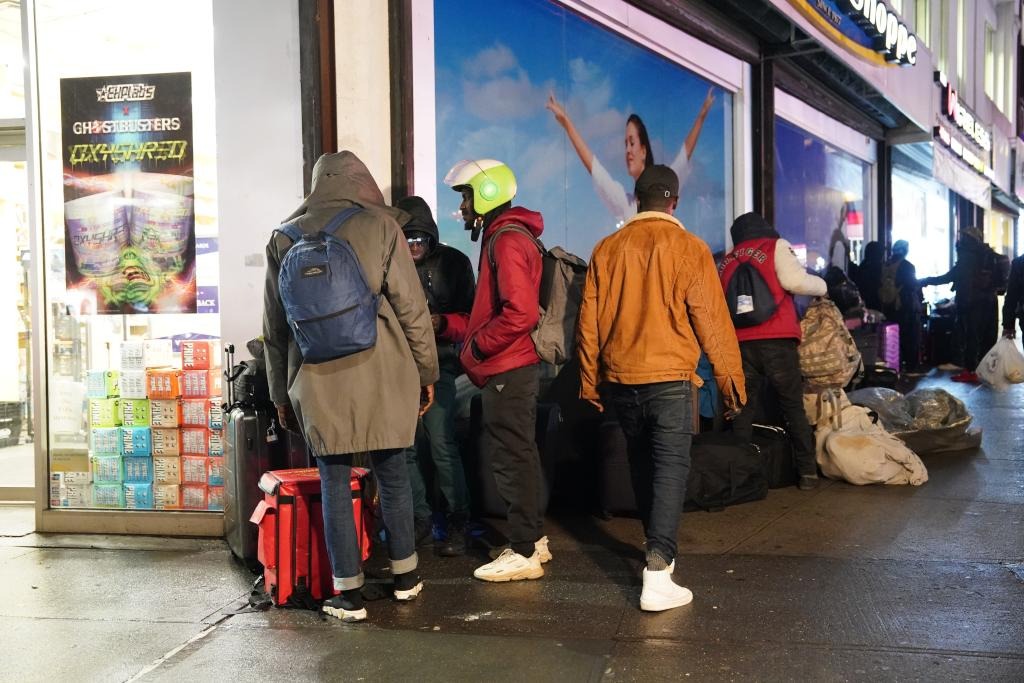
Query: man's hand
x,y
426,398
732,409
286,417
1010,333
436,322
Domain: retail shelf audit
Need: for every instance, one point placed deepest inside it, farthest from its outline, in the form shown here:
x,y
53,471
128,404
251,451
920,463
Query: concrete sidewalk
x,y
843,583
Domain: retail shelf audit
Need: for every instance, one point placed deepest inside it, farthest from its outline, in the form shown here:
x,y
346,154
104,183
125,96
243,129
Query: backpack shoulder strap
x,y
340,218
291,231
511,227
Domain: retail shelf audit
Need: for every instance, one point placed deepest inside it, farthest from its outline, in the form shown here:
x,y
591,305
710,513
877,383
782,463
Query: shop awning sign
x,y
868,29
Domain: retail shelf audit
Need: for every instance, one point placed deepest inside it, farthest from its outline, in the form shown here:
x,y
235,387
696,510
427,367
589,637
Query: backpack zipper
x,y
343,311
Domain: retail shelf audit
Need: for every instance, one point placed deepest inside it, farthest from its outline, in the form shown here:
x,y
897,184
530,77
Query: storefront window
x,y
130,233
819,189
920,215
999,228
566,102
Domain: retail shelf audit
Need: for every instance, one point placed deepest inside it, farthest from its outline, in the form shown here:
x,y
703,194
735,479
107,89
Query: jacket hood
x,y
531,220
751,226
421,219
336,178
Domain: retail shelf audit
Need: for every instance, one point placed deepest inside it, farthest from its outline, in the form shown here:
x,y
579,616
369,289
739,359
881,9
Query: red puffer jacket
x,y
499,326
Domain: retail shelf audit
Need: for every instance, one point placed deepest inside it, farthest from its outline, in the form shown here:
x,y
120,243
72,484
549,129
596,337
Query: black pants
x,y
979,330
777,362
909,321
508,433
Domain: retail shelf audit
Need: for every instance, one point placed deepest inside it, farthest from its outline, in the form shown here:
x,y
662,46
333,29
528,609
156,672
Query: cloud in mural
x,y
496,88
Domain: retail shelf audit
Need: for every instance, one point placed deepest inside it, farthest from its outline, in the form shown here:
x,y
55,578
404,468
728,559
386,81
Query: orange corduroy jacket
x,y
652,301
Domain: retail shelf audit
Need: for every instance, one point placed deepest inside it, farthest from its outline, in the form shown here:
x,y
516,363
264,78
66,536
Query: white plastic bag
x,y
1002,366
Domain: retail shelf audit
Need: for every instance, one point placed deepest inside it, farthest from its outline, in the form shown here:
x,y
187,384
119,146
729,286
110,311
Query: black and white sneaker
x,y
407,586
344,608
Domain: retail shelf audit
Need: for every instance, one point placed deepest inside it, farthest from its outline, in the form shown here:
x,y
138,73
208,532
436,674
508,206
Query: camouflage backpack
x,y
829,358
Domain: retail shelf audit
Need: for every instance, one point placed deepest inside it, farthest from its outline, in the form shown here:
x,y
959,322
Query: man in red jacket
x,y
500,358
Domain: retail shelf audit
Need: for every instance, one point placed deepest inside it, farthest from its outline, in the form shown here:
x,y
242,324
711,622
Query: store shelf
x,y
132,522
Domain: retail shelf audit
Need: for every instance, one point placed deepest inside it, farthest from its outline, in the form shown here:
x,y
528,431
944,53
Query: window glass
x,y
990,63
515,80
961,39
821,193
12,66
923,23
130,232
920,215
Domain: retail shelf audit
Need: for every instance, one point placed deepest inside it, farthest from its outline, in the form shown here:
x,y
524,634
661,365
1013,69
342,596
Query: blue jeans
x,y
657,420
437,430
339,525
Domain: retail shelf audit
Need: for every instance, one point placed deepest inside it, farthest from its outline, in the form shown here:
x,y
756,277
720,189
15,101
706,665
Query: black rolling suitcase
x,y
486,500
247,455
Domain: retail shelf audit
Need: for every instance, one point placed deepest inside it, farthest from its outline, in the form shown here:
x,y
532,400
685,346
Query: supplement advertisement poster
x,y
129,213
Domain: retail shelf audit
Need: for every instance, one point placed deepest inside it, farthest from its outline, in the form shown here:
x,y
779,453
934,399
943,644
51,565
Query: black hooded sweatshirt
x,y
445,273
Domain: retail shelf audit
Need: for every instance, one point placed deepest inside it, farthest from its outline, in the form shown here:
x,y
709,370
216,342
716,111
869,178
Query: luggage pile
x,y
852,446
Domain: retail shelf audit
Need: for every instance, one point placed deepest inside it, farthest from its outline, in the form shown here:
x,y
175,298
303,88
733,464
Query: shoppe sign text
x,y
890,35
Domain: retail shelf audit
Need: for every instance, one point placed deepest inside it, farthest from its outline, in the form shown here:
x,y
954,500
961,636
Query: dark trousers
x,y
777,361
657,420
978,331
910,337
508,433
436,431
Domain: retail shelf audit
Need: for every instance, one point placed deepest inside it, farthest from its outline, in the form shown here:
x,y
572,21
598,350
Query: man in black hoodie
x,y
447,278
973,278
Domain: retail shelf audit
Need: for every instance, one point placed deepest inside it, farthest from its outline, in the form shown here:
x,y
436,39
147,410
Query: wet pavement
x,y
844,583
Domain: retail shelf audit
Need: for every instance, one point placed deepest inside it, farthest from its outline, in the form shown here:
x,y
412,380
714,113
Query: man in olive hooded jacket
x,y
366,403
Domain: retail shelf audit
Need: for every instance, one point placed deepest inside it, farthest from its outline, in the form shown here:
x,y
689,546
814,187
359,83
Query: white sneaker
x,y
661,592
511,566
541,548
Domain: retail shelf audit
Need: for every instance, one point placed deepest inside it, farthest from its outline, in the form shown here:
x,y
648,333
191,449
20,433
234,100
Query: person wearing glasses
x,y
447,278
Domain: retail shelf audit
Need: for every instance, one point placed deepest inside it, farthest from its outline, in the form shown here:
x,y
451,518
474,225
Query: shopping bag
x,y
1002,366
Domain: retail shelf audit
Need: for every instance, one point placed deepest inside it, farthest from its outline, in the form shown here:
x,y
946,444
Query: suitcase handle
x,y
229,352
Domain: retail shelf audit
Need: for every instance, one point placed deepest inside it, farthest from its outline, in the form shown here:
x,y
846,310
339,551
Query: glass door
x,y
17,460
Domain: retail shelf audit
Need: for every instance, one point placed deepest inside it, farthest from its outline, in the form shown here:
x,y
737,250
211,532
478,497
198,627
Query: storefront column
x,y
762,87
883,166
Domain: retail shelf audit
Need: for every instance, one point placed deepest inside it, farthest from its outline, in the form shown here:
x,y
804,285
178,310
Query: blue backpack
x,y
330,308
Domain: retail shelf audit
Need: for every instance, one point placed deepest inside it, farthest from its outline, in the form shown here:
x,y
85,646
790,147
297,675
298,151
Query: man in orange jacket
x,y
651,303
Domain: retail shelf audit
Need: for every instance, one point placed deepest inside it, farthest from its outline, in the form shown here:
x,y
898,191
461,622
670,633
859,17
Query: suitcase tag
x,y
272,431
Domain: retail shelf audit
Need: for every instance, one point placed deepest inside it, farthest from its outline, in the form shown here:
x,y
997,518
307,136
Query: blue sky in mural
x,y
496,64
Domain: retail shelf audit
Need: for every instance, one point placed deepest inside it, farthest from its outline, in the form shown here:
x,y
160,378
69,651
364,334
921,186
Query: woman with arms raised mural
x,y
639,156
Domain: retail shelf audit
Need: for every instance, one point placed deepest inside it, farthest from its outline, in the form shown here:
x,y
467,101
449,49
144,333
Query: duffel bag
x,y
724,471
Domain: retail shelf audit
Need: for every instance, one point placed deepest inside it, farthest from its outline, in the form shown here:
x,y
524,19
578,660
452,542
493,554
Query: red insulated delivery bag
x,y
291,547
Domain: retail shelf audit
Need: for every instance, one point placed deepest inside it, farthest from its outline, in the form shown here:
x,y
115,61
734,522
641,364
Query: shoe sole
x,y
527,575
661,607
349,617
411,594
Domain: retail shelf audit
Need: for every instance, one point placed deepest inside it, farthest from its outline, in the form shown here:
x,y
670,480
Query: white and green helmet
x,y
492,181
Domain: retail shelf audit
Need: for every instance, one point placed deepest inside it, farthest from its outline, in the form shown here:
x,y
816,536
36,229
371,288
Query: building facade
x,y
143,175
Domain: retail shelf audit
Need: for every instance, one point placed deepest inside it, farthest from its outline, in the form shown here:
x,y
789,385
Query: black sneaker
x,y
808,482
424,531
408,586
454,544
348,606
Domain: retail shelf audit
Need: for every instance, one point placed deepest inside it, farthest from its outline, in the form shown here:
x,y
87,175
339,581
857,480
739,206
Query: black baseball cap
x,y
657,180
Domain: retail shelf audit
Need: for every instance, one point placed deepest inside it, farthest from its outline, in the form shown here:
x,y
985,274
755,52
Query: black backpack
x,y
724,471
750,300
